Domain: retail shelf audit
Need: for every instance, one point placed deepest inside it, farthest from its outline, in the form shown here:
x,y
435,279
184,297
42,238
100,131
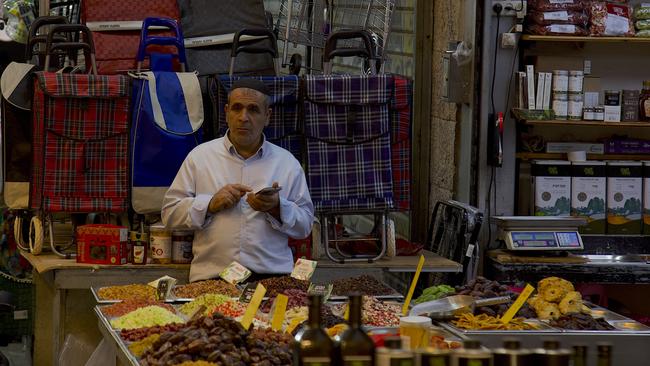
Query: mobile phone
x,y
268,190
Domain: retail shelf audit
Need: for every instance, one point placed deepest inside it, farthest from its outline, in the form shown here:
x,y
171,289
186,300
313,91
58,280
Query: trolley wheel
x,y
295,64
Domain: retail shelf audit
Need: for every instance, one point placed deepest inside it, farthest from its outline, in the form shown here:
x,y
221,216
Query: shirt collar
x,y
233,151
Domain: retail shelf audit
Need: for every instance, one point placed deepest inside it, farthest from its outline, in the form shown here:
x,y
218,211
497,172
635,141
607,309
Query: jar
x,y
563,96
588,113
182,246
599,113
561,109
139,247
644,102
612,97
560,81
160,244
576,79
574,110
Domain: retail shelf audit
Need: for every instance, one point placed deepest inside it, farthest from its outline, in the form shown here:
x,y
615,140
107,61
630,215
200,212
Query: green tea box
x,y
588,194
646,197
624,194
552,187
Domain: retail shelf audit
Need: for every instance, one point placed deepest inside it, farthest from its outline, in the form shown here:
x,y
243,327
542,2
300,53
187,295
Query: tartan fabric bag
x,y
283,129
347,129
116,30
400,140
80,142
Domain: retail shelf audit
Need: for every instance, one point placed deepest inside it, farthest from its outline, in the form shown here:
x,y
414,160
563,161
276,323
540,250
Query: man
x,y
214,193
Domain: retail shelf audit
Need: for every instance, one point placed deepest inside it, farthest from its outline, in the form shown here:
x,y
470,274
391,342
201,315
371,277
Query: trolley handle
x,y
254,32
332,50
146,40
88,45
34,38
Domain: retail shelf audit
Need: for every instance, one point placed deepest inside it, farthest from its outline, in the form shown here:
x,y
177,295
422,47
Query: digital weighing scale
x,y
540,233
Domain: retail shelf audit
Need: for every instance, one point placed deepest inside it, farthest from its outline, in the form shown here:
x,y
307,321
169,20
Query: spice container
x,y
560,81
182,246
588,113
644,102
160,244
139,247
574,106
599,113
576,79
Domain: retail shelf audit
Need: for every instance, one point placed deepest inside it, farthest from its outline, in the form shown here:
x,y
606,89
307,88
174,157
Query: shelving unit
x,y
561,156
636,124
534,38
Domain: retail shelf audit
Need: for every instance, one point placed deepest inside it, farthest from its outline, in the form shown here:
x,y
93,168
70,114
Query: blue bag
x,y
166,121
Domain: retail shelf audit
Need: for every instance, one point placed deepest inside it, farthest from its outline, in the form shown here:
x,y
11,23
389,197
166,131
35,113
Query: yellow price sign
x,y
346,314
521,300
251,310
279,309
409,296
294,323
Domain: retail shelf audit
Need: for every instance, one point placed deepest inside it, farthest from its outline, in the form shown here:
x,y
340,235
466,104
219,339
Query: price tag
x,y
323,290
163,287
278,310
521,300
251,310
294,323
303,269
409,296
247,294
346,314
235,273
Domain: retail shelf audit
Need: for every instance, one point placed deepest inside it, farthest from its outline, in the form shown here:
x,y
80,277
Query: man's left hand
x,y
265,202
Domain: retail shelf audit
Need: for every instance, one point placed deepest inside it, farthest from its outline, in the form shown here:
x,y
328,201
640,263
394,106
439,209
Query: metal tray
x,y
107,330
380,297
95,292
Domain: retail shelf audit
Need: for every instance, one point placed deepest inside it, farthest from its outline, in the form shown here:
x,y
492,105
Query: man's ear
x,y
269,111
225,108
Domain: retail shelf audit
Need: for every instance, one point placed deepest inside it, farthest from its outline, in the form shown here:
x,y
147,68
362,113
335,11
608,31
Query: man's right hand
x,y
227,197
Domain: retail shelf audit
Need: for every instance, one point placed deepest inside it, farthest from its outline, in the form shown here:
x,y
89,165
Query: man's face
x,y
247,113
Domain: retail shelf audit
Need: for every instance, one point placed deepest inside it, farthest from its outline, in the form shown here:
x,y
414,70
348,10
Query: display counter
x,y
54,276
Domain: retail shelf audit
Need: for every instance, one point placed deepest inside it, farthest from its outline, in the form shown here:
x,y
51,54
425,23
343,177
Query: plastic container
x,y
560,81
182,246
574,106
160,244
576,79
561,109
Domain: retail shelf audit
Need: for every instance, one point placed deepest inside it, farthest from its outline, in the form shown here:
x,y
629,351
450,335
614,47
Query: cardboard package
x,y
102,244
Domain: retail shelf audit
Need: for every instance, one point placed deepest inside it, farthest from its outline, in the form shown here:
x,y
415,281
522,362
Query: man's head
x,y
247,113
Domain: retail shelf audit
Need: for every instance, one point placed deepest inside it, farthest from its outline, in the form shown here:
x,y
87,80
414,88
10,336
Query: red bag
x,y
115,34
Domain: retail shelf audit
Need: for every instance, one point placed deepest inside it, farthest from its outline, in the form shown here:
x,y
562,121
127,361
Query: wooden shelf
x,y
531,37
561,156
586,123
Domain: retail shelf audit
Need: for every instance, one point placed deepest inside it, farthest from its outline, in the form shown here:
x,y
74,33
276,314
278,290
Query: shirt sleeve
x,y
296,210
182,207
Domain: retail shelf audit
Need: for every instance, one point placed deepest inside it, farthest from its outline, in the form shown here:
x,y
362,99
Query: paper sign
x,y
235,273
405,308
521,300
303,269
346,314
247,294
278,311
294,323
163,287
251,310
323,290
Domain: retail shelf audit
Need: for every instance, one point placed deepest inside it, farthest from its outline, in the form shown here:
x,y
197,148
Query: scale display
x,y
543,240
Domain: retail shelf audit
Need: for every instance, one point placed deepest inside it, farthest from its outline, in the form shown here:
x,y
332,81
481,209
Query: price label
x,y
294,323
521,300
163,287
323,290
303,269
247,294
278,310
251,310
235,273
409,296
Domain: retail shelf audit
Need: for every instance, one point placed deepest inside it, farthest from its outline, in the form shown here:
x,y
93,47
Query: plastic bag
x,y
642,12
558,17
553,5
104,355
642,24
557,30
611,19
20,15
643,33
74,352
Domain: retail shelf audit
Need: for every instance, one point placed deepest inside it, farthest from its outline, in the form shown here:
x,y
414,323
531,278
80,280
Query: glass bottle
x,y
604,354
644,102
357,348
312,346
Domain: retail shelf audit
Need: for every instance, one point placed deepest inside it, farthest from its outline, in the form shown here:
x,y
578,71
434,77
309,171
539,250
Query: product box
x,y
588,194
565,147
646,197
102,244
617,146
612,113
552,187
624,194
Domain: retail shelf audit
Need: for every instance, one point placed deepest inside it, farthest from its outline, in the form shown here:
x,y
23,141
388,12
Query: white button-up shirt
x,y
254,239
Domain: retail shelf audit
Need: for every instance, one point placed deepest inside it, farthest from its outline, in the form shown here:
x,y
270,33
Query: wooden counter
x,y
55,275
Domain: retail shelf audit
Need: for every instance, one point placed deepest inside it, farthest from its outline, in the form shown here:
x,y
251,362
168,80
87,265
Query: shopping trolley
x,y
308,24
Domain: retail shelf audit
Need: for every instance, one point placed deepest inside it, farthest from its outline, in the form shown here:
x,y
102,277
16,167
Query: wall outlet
x,y
508,40
21,314
511,8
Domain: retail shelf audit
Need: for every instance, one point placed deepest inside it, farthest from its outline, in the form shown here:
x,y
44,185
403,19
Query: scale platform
x,y
540,233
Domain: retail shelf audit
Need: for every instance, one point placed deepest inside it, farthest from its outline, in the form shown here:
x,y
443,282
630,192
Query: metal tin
x,y
433,357
160,244
560,81
182,246
576,78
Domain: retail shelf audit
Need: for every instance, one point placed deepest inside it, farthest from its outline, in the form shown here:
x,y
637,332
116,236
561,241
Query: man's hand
x,y
266,202
227,197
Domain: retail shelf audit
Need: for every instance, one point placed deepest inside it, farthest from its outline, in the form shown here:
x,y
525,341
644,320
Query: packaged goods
x,y
102,244
139,247
643,33
642,12
552,187
145,317
642,24
554,5
624,194
161,244
610,19
560,82
558,17
557,30
588,194
182,246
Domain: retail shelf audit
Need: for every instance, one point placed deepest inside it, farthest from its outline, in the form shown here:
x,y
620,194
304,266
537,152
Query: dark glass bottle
x,y
579,355
644,102
357,348
604,354
312,346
